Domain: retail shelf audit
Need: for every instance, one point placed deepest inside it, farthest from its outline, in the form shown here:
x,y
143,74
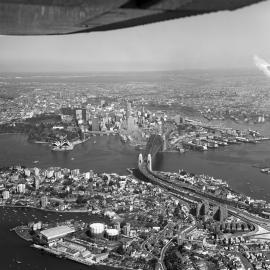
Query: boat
x,y
265,170
242,139
212,144
252,141
36,161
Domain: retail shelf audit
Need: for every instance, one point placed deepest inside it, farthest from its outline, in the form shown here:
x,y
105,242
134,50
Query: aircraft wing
x,y
56,17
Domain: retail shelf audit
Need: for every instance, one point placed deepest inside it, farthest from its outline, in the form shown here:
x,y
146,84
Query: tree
x,y
81,200
152,263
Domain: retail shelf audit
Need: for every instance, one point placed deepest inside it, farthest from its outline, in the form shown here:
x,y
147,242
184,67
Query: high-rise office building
x,y
117,226
78,114
37,182
102,103
5,194
21,188
128,109
36,171
75,172
95,124
126,229
84,114
44,201
27,172
49,173
198,209
131,123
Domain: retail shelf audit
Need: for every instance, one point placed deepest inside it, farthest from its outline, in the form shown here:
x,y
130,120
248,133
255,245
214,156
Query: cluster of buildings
x,y
145,221
204,249
136,211
218,188
198,136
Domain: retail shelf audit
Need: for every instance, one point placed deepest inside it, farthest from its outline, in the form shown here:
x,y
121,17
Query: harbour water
x,y
100,153
16,253
234,163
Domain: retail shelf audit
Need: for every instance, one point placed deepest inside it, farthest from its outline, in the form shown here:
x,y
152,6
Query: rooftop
x,y
58,231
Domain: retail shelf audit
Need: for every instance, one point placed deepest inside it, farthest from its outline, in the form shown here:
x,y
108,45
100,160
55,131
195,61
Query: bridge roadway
x,y
196,195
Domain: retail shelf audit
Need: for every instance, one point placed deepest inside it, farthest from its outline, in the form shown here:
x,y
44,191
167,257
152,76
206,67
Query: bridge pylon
x,y
140,159
164,146
149,162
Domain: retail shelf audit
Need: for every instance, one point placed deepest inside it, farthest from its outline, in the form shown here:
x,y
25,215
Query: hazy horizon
x,y
221,40
218,69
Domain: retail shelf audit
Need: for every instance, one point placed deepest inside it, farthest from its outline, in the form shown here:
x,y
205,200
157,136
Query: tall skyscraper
x,y
44,201
37,182
36,171
198,209
102,102
126,229
84,114
128,109
78,114
117,226
21,188
95,124
27,172
131,123
5,194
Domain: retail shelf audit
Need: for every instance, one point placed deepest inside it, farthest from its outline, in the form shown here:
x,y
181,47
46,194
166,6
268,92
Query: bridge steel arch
x,y
154,145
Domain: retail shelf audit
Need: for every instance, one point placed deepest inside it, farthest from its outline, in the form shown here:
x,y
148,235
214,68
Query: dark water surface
x,y
233,163
14,249
100,153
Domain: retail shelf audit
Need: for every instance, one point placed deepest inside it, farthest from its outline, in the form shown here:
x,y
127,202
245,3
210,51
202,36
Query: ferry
x,y
265,170
242,139
212,144
233,141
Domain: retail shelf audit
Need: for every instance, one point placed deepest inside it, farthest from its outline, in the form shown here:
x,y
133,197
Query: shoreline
x,y
74,259
12,133
48,210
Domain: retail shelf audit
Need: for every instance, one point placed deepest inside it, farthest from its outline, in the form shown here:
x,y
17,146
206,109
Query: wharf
x,y
61,254
23,232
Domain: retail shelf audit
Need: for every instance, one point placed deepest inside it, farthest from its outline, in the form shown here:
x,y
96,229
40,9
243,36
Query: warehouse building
x,y
53,234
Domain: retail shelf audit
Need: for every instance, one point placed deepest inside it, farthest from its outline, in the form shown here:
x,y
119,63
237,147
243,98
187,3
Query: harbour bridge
x,y
155,144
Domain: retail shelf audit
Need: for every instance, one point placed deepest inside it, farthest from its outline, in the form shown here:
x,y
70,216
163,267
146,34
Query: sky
x,y
211,41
